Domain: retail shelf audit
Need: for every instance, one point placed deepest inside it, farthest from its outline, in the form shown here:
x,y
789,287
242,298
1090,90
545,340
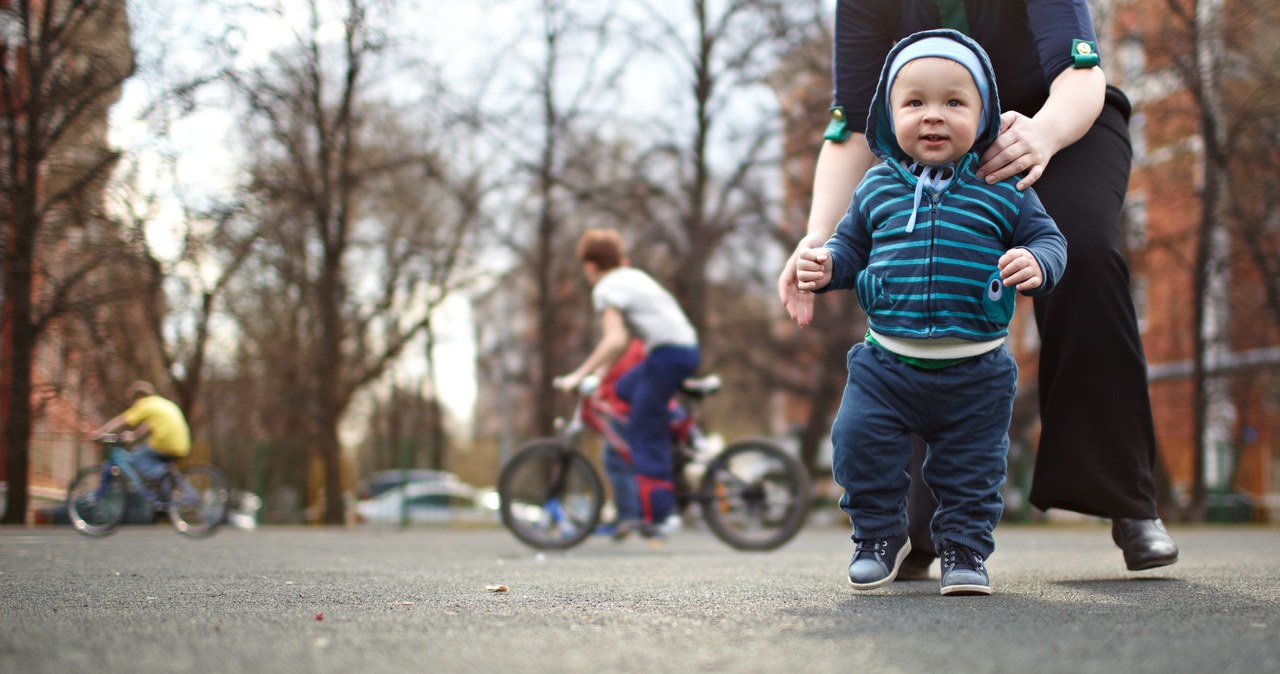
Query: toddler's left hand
x,y
1019,267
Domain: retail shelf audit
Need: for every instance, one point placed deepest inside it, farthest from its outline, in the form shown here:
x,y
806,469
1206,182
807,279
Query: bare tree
x,y
1253,103
1227,72
560,171
717,156
721,145
755,84
61,68
207,238
183,289
365,222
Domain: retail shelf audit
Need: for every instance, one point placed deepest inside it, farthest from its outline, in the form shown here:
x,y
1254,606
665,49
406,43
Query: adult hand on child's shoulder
x,y
1021,147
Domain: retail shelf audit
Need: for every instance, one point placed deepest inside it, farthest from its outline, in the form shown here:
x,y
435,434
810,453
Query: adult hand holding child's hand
x,y
813,269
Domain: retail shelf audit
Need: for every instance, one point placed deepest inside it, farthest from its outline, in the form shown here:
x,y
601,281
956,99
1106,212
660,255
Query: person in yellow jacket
x,y
159,432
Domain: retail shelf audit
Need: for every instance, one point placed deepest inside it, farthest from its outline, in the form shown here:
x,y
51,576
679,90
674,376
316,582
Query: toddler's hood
x,y
880,134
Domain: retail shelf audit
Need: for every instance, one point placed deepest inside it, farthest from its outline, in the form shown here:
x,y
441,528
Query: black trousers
x,y
1097,440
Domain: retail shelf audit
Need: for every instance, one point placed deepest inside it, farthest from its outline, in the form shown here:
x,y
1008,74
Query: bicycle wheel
x,y
551,495
755,496
199,501
96,501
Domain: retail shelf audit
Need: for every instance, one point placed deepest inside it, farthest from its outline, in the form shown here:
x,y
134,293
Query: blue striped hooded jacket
x,y
938,277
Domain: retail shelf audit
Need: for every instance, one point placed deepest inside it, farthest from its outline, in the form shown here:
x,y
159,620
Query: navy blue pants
x,y
961,411
622,477
648,388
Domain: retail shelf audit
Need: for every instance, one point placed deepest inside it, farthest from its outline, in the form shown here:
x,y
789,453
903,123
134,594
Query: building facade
x,y
1152,56
65,394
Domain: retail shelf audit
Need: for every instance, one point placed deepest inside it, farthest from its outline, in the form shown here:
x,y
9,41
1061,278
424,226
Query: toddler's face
x,y
936,107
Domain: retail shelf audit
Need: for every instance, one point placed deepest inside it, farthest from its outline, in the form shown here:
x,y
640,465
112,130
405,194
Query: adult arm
x,y
1076,93
1026,144
840,168
612,344
864,33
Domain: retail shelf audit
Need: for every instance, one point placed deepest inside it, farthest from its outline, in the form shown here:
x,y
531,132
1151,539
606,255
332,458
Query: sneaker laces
x,y
963,557
870,547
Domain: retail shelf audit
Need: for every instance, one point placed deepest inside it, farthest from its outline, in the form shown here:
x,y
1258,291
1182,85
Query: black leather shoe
x,y
1146,543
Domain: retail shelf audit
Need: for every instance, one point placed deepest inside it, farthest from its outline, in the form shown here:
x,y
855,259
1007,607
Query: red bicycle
x,y
753,495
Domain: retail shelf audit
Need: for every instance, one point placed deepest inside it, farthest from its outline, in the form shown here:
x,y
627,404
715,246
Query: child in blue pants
x,y
935,255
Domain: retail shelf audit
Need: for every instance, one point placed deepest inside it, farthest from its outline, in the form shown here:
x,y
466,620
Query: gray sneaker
x,y
876,561
962,571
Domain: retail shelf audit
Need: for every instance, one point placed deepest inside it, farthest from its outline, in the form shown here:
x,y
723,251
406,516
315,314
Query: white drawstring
x,y
938,177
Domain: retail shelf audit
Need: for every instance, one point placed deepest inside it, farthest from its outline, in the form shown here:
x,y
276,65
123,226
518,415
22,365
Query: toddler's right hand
x,y
813,269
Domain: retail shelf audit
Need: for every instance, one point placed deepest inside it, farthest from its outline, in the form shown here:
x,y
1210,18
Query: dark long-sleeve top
x,y
1029,42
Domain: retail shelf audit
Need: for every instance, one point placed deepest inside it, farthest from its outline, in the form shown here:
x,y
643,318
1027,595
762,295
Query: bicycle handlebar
x,y
586,387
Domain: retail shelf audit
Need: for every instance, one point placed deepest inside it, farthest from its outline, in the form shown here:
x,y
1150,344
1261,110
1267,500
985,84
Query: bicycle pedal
x,y
652,531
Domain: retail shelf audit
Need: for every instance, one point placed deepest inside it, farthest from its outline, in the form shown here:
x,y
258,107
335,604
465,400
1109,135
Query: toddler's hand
x,y
813,269
799,303
1019,267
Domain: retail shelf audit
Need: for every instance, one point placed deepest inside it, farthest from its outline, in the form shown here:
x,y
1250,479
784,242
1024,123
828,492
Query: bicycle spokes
x,y
96,501
754,496
551,496
198,500
104,485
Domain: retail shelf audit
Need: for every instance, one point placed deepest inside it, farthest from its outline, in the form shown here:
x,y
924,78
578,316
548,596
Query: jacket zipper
x,y
934,202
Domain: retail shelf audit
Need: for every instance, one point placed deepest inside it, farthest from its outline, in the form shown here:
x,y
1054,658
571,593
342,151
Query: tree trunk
x,y
48,102
18,353
1207,46
548,313
692,283
330,394
1199,383
545,256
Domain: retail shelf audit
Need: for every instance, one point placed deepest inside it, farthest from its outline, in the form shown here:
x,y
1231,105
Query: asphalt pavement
x,y
366,600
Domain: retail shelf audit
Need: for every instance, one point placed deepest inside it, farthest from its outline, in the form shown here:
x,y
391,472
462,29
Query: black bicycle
x,y
196,498
753,495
